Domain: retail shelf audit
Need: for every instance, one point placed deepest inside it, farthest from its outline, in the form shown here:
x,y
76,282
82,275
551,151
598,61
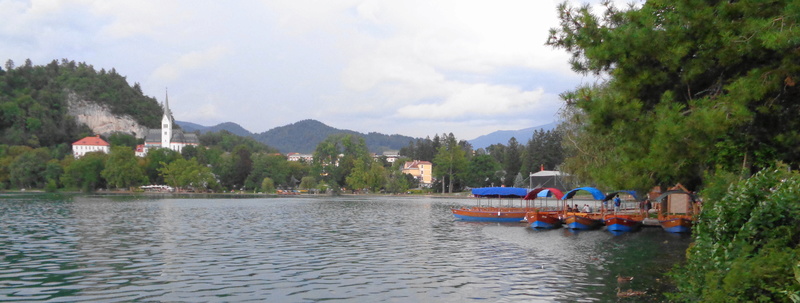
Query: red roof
x,y
416,164
95,141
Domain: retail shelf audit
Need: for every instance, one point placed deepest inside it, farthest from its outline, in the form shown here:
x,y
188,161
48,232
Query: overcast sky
x,y
414,68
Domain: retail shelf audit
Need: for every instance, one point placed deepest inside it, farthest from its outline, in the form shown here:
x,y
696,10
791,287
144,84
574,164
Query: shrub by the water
x,y
745,243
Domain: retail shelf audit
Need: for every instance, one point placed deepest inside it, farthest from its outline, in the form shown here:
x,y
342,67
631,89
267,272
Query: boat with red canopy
x,y
544,217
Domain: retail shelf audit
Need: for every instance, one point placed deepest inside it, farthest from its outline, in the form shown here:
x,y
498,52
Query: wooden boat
x,y
491,213
677,223
579,220
623,222
677,210
544,219
583,221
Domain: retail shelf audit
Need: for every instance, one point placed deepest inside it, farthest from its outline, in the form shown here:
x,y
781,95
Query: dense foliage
x,y
692,86
700,93
33,101
746,242
450,163
337,156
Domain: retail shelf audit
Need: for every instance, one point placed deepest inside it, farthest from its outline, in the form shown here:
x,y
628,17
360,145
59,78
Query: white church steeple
x,y
166,124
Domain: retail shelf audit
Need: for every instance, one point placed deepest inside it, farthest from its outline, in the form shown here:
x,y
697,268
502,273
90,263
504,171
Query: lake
x,y
59,248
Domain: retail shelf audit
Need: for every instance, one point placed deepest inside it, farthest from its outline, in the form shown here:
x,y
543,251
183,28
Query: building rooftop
x,y
95,140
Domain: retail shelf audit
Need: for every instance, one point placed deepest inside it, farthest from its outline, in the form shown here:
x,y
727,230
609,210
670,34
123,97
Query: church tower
x,y
166,124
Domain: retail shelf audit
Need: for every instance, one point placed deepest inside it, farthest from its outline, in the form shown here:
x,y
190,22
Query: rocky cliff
x,y
99,118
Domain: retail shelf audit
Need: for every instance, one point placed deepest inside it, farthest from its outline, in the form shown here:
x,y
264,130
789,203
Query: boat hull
x,y
622,223
544,220
489,214
677,225
582,222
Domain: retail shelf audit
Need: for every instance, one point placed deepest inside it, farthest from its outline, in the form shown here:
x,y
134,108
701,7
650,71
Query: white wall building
x,y
88,145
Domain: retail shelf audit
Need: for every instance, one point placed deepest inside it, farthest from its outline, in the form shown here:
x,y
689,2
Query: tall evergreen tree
x,y
512,161
692,86
449,163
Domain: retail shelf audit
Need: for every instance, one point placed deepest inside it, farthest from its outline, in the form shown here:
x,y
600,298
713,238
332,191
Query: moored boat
x,y
677,223
622,218
677,209
623,222
583,221
494,214
490,214
540,218
544,219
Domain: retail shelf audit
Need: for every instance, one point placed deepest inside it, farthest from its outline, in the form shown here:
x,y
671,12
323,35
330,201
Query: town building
x,y
166,136
298,157
421,170
140,151
391,156
90,144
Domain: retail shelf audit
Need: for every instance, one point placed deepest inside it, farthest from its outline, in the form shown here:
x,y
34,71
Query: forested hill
x,y
303,137
34,108
231,127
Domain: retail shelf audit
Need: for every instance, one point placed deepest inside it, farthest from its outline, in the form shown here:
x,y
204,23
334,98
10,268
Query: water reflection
x,y
307,249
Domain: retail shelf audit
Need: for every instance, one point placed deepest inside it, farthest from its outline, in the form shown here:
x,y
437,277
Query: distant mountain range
x,y
231,127
304,136
502,136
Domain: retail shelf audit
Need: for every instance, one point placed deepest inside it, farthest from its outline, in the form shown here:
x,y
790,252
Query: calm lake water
x,y
306,249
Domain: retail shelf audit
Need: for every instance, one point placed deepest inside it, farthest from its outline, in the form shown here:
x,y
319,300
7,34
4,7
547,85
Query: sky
x,y
414,68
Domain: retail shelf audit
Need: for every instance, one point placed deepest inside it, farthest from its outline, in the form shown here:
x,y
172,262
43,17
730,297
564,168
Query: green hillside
x,y
33,101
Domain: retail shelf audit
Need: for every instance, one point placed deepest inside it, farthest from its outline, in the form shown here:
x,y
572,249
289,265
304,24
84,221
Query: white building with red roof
x,y
90,144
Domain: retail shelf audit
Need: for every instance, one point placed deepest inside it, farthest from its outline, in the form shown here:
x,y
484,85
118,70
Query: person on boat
x,y
617,203
586,208
647,206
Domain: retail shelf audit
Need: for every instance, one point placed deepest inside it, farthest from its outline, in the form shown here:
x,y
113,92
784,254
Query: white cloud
x,y
475,101
173,70
410,67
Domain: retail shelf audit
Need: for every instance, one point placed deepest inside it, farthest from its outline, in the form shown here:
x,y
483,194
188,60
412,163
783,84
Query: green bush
x,y
745,242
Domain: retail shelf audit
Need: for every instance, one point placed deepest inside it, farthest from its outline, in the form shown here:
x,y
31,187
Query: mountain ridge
x,y
502,136
303,136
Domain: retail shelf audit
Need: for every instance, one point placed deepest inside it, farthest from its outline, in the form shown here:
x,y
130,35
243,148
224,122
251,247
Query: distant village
x,y
176,139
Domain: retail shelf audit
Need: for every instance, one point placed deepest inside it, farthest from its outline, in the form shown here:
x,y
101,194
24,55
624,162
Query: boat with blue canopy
x,y
487,212
579,220
623,220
